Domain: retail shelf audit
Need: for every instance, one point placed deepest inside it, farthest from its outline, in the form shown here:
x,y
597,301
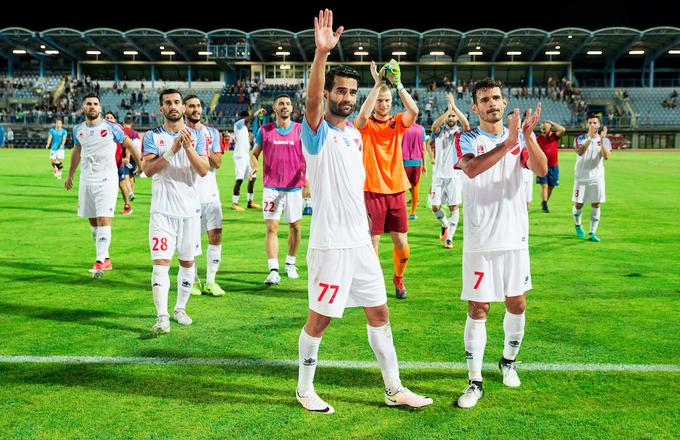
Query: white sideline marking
x,y
242,362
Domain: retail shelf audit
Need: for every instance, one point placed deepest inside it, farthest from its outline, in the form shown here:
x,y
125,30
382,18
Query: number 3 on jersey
x,y
325,288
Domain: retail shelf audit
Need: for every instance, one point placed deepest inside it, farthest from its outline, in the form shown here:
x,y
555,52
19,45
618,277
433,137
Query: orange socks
x,y
400,257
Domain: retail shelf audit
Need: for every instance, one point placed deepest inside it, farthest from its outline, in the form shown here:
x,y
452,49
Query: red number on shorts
x,y
269,206
576,192
163,244
479,280
325,289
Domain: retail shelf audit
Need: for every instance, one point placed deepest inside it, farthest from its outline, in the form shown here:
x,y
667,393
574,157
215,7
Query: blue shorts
x,y
552,178
123,172
132,167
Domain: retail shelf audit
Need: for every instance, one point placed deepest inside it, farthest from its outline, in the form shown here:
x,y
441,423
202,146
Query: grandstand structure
x,y
627,75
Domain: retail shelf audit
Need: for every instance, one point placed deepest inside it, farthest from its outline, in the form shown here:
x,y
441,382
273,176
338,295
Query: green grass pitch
x,y
614,302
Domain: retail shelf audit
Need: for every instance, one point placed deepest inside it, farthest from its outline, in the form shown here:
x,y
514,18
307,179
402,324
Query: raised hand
x,y
324,37
603,133
514,123
375,74
530,121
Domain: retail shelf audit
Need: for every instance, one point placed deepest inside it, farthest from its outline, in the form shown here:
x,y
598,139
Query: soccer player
x,y
242,160
386,181
209,194
495,232
176,155
122,161
284,177
549,140
413,151
132,165
592,150
447,182
56,139
95,143
344,270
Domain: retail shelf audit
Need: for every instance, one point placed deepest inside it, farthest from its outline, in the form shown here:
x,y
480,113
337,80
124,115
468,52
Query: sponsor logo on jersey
x,y
480,149
161,142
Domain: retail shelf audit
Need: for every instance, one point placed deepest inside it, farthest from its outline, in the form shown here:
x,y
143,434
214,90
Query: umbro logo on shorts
x,y
526,279
156,284
309,362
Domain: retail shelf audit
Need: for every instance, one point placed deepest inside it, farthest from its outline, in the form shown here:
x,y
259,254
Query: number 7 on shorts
x,y
479,280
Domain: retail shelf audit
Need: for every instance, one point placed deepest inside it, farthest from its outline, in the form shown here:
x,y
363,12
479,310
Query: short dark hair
x,y
340,70
168,92
193,97
244,114
486,83
127,120
281,95
91,95
593,115
110,113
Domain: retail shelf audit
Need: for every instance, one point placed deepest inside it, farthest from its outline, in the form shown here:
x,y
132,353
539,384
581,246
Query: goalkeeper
x,y
386,181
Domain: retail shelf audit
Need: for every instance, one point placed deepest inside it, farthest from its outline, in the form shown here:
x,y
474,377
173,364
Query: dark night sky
x,y
378,16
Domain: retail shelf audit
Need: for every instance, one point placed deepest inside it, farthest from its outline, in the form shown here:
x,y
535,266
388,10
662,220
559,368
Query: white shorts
x,y
242,168
493,276
167,234
97,199
588,192
529,189
275,202
56,154
446,191
341,278
211,216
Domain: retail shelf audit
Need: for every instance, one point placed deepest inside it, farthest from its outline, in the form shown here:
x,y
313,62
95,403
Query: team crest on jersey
x,y
358,142
515,152
103,133
161,142
81,134
393,124
480,149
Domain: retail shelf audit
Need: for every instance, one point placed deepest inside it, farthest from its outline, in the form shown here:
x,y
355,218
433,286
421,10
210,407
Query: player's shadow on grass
x,y
97,318
207,387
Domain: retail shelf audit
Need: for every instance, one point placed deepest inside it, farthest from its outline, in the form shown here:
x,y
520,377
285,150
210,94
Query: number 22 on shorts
x,y
325,288
269,206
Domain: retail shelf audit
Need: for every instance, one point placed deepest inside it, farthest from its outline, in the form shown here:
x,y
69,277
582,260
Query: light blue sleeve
x,y
148,145
200,147
465,144
258,137
314,142
607,143
216,141
239,124
117,132
424,135
75,138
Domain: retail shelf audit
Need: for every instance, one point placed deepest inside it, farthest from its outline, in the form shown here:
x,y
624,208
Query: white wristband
x,y
168,155
400,87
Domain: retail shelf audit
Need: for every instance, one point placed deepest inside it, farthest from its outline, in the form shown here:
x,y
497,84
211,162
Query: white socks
x,y
273,263
475,343
308,349
380,340
185,281
594,219
103,242
214,256
513,325
290,260
577,215
160,285
453,224
234,199
441,216
250,197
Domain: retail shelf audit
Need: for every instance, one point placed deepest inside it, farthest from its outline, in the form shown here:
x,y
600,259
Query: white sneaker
x,y
408,398
181,317
273,278
470,396
291,271
162,325
312,402
509,370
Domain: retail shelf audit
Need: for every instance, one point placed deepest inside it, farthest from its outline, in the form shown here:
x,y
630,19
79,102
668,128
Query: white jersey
x,y
527,175
207,185
98,150
590,166
444,152
173,191
241,139
495,209
336,178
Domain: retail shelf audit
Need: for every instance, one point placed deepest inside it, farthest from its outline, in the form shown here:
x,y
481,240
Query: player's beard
x,y
451,124
192,119
492,117
336,110
170,117
92,116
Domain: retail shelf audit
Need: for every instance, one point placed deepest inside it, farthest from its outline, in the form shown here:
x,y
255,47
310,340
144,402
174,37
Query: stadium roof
x,y
526,44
